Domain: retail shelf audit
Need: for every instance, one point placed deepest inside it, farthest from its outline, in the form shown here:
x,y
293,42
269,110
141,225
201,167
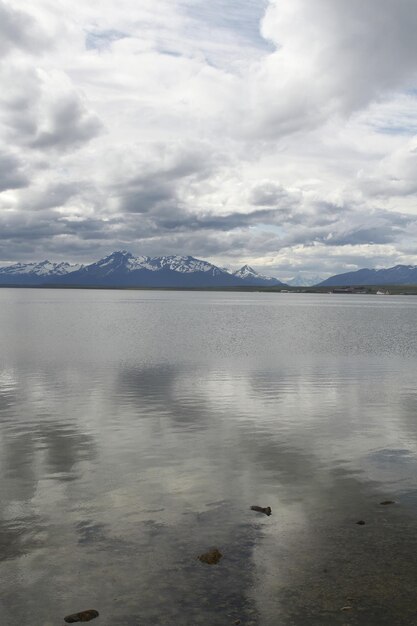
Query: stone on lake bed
x,y
262,509
211,557
82,616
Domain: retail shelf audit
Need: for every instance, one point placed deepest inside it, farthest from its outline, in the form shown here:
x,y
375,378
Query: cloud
x,y
52,195
12,174
330,60
43,110
18,30
270,194
338,55
267,132
67,123
395,175
102,39
163,176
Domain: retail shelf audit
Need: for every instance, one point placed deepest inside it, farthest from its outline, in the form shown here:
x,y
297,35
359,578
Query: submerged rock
x,y
211,557
262,509
82,616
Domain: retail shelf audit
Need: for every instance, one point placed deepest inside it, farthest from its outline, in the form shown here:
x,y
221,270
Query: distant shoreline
x,y
391,290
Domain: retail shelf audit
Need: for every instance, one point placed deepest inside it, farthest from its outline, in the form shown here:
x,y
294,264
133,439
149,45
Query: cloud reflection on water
x,y
115,477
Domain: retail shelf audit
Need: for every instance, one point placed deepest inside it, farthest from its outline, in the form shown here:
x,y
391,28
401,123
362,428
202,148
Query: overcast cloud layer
x,y
280,133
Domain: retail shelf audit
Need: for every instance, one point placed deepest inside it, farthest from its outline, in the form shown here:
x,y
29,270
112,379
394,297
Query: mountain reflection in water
x,y
137,429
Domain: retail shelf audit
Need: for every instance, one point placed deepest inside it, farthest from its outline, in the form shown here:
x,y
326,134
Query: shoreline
x,y
389,290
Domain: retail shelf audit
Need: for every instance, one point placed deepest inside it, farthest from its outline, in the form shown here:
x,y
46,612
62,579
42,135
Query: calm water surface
x,y
137,429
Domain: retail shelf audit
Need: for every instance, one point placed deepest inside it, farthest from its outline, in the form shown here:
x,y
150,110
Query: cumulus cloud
x,y
279,133
334,57
12,174
395,175
161,174
270,194
19,30
43,110
66,123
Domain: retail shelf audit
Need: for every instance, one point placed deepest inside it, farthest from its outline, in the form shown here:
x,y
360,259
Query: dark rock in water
x,y
83,616
361,522
211,557
262,509
385,502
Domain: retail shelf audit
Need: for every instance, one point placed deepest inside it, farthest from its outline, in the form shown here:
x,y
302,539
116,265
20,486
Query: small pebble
x,y
211,557
82,616
262,509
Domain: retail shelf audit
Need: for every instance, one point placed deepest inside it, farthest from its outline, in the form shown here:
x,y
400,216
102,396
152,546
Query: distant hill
x,y
122,269
299,280
398,275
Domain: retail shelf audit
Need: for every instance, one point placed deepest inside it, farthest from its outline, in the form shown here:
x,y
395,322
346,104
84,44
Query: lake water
x,y
137,428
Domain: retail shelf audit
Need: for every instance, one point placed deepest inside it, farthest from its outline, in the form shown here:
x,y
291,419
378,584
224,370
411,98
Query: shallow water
x,y
137,429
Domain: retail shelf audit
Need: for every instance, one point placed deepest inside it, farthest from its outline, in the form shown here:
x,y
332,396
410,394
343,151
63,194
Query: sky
x,y
278,133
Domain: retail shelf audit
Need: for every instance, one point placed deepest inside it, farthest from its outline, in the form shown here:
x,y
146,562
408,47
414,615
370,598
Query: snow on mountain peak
x,y
248,272
118,255
41,268
176,263
185,264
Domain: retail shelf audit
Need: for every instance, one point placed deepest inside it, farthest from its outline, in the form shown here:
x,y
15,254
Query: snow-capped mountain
x,y
43,268
36,272
122,269
249,275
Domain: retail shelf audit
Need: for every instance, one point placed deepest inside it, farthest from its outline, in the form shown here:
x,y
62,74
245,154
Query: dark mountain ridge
x,y
398,275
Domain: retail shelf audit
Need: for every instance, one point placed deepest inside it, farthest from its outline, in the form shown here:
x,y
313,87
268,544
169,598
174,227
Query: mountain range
x,y
122,269
398,275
